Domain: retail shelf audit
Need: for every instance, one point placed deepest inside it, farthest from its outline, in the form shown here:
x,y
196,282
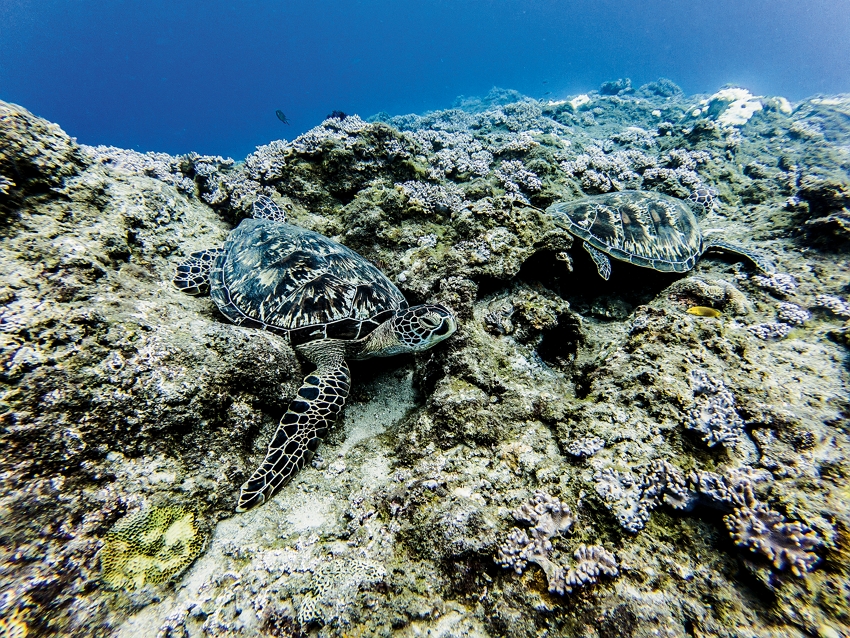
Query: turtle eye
x,y
429,321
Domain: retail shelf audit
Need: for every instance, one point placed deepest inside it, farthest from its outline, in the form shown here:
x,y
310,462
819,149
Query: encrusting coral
x,y
149,547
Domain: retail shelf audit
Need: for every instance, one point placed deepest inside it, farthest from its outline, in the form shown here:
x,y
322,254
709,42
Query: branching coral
x,y
793,314
434,197
585,446
788,544
836,305
516,177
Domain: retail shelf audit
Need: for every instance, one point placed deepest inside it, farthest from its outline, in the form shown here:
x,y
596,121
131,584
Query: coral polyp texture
x,y
149,547
704,457
786,545
714,414
549,518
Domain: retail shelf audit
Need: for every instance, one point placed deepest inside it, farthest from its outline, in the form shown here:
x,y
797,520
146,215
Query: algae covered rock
x,y
149,547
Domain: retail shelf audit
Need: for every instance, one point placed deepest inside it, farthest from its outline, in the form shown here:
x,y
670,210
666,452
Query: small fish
x,y
281,116
703,311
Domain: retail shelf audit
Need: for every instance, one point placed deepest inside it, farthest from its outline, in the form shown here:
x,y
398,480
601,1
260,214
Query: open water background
x,y
207,75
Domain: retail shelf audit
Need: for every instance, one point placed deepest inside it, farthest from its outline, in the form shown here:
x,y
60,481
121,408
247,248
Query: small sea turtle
x,y
645,228
330,304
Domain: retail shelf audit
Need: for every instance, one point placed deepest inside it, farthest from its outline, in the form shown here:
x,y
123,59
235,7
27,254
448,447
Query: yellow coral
x,y
13,626
149,547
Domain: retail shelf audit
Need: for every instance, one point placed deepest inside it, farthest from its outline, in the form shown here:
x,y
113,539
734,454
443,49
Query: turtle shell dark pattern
x,y
278,277
644,228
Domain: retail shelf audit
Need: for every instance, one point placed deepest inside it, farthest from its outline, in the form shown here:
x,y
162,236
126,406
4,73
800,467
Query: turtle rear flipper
x,y
761,262
603,264
193,275
320,399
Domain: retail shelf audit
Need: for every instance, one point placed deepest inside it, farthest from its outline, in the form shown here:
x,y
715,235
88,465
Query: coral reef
x,y
711,461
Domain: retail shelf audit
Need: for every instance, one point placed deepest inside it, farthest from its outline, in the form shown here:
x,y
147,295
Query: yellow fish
x,y
703,311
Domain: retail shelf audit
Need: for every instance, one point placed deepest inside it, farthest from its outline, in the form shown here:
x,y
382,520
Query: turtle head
x,y
420,327
410,330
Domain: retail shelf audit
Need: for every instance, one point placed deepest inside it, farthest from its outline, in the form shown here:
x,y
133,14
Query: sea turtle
x,y
645,228
328,302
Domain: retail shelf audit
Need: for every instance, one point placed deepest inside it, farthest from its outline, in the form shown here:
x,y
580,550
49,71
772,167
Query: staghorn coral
x,y
550,517
713,415
785,544
150,546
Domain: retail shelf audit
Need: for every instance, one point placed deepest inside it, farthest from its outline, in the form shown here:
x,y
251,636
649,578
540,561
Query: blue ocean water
x,y
208,76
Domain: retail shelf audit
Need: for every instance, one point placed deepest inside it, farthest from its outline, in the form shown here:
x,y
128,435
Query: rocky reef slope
x,y
583,458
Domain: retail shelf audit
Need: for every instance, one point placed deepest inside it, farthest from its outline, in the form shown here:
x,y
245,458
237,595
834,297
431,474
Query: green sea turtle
x,y
328,302
645,228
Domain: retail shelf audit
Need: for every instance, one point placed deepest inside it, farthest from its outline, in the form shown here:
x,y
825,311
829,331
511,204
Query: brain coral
x,y
149,547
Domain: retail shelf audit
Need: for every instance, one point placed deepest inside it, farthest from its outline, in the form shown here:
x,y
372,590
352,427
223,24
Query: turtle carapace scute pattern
x,y
328,302
644,228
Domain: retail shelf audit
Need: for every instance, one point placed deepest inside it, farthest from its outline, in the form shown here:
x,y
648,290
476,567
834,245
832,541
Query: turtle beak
x,y
448,326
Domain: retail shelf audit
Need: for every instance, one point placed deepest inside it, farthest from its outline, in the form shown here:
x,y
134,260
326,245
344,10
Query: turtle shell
x,y
642,227
278,277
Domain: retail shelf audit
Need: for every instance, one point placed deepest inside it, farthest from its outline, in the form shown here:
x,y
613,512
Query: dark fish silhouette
x,y
281,116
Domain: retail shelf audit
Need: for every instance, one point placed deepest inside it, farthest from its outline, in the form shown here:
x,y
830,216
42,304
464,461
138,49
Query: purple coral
x,y
779,283
793,314
551,517
585,446
713,414
771,330
834,304
547,515
786,544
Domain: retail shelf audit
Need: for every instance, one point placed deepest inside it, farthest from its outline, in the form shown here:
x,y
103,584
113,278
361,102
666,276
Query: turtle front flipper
x,y
603,264
320,399
193,275
761,262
